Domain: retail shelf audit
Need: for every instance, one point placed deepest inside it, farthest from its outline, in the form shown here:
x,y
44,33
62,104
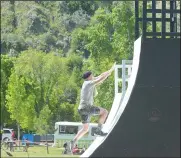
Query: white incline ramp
x,y
119,103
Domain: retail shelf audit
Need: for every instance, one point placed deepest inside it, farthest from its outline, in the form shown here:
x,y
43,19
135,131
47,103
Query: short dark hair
x,y
86,74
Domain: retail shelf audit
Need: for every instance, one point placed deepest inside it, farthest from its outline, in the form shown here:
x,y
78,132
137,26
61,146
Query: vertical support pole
x,y
144,18
123,76
154,17
116,79
172,18
18,127
179,19
175,16
47,145
129,71
136,19
163,18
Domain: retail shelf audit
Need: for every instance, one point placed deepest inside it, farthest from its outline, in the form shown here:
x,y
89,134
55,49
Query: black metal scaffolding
x,y
157,14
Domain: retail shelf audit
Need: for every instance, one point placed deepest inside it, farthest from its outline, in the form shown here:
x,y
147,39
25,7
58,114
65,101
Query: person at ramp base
x,y
86,107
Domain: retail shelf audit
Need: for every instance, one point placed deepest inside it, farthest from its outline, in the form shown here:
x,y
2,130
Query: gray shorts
x,y
87,112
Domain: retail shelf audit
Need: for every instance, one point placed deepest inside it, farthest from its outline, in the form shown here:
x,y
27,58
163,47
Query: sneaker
x,y
98,132
69,147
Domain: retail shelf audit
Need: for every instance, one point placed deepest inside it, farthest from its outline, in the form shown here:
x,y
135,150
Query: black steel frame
x,y
173,11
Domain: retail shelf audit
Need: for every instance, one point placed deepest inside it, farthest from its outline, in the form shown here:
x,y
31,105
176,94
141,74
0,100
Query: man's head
x,y
87,75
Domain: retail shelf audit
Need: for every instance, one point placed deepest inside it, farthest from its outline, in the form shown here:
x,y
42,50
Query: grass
x,y
37,151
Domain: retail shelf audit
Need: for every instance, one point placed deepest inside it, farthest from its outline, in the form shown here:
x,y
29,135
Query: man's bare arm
x,y
99,83
99,79
95,78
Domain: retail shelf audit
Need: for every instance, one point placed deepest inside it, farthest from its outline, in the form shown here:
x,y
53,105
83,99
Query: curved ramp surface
x,y
148,120
116,112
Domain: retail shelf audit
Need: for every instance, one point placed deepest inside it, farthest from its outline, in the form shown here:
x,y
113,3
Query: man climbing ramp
x,y
86,107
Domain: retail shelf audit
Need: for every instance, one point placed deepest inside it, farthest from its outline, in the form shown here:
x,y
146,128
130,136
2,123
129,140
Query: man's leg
x,y
102,118
82,132
85,120
103,113
79,135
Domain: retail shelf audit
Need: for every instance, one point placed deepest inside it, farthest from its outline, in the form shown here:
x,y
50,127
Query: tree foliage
x,y
37,81
6,66
53,44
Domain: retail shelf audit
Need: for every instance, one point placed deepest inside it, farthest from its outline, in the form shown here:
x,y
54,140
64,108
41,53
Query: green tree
x,y
123,22
7,17
12,44
6,66
42,123
38,80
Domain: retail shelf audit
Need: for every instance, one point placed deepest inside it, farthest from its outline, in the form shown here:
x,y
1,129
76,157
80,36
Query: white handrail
x,y
126,67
